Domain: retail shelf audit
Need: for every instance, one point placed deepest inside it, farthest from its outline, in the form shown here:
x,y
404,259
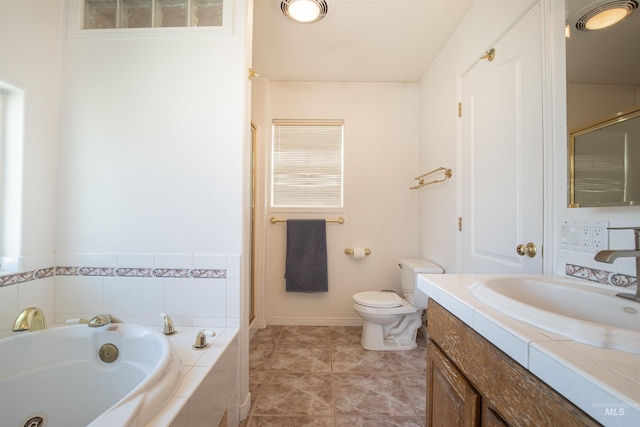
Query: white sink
x,y
587,313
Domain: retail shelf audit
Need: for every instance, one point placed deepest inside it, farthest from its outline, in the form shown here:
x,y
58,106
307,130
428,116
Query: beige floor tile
x,y
371,394
301,357
351,357
306,393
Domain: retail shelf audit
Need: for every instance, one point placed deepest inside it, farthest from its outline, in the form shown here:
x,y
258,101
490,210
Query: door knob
x,y
528,249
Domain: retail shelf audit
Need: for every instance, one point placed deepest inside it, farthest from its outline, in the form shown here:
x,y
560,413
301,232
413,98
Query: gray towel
x,y
306,264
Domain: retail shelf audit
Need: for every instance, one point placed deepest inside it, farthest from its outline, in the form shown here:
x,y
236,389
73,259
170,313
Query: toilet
x,y
391,321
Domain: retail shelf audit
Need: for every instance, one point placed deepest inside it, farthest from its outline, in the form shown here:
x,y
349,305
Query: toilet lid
x,y
378,299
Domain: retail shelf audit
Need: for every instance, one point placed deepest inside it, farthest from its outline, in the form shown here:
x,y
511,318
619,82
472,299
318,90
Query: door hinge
x,y
459,223
459,109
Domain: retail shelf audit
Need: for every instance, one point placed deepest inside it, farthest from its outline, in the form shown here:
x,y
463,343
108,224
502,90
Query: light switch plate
x,y
584,235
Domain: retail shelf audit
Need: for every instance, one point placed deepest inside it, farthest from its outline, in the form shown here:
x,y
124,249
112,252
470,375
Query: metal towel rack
x,y
273,220
421,183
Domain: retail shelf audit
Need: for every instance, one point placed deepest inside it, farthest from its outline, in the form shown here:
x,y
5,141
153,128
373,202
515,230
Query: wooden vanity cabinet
x,y
470,382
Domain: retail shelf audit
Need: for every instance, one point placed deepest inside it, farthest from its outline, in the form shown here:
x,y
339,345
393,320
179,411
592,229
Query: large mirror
x,y
604,165
603,83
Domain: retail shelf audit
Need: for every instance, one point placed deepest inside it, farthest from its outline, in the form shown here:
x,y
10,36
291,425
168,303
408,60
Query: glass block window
x,y
307,164
104,14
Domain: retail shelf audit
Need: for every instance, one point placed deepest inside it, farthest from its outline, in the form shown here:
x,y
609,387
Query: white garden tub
x,y
56,378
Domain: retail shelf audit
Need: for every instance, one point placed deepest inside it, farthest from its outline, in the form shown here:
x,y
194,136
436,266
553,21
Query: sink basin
x,y
583,312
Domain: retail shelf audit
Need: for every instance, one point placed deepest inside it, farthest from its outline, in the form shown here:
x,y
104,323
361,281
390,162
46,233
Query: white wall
x,y
381,124
152,138
30,62
152,135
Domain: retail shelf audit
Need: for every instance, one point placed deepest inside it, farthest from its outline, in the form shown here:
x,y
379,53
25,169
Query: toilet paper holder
x,y
349,251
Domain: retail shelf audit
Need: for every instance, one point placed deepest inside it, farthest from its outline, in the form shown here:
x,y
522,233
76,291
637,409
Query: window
x,y
307,164
102,14
11,136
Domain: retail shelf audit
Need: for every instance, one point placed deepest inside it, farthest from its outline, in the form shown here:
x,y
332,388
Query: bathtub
x,y
56,377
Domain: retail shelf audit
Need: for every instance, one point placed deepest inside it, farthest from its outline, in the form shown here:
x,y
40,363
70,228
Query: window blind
x,y
307,163
600,168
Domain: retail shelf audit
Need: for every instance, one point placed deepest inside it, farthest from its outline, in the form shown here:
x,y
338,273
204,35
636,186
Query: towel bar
x,y
273,220
421,183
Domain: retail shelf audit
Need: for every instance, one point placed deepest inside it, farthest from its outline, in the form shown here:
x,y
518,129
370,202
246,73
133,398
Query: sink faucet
x,y
30,319
611,255
102,320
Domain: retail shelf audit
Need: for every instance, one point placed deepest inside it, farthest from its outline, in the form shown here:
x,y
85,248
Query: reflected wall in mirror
x,y
605,162
603,79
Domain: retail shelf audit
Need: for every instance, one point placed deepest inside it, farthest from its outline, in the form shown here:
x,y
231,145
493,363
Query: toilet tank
x,y
409,270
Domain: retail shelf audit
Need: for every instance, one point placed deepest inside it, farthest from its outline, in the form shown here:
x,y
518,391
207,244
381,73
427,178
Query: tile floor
x,y
321,376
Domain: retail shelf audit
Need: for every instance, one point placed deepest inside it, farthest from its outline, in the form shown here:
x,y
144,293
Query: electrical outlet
x,y
600,236
585,236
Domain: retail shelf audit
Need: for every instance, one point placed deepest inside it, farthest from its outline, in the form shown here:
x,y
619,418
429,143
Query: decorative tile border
x,y
600,276
182,273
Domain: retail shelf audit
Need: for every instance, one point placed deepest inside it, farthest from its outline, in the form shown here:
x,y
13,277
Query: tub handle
x,y
102,320
201,339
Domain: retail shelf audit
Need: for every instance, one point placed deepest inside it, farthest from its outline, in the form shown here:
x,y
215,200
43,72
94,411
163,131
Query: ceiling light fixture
x,y
304,11
606,15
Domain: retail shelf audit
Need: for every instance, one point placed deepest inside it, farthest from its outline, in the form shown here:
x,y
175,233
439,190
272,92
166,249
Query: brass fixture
x,y
273,220
349,251
490,55
528,249
30,319
102,320
108,353
421,183
253,73
611,255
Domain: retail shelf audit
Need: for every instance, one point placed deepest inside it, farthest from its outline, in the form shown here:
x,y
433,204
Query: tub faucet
x,y
611,255
168,328
30,319
103,319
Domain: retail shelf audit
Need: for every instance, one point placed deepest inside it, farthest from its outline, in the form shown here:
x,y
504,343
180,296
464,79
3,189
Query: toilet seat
x,y
378,299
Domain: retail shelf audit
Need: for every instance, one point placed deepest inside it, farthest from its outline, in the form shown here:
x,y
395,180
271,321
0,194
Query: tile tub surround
x,y
604,383
321,376
194,289
208,387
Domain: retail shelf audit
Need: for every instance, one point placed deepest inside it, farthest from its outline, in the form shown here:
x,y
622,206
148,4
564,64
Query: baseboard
x,y
314,321
245,407
423,331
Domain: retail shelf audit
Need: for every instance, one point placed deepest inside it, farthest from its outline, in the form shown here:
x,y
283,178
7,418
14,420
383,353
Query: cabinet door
x,y
451,400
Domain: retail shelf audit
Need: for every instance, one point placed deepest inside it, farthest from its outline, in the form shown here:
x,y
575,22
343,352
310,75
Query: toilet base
x,y
398,336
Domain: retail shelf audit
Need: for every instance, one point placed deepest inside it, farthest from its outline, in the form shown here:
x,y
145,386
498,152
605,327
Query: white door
x,y
501,149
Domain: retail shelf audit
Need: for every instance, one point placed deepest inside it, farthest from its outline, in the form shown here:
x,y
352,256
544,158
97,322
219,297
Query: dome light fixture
x,y
304,11
606,15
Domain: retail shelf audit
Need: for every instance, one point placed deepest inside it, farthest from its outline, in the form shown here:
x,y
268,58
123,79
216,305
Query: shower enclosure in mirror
x,y
605,162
